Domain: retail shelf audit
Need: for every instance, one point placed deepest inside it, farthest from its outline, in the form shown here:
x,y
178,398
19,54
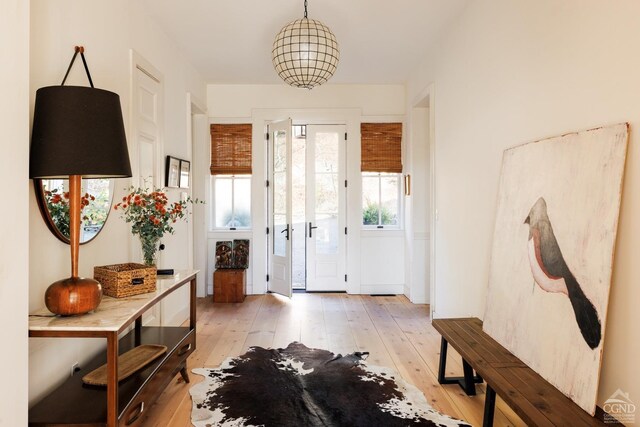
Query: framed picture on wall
x,y
172,172
185,173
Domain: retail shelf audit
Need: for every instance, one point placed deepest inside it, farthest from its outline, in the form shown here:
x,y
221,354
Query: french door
x,y
280,208
325,208
324,200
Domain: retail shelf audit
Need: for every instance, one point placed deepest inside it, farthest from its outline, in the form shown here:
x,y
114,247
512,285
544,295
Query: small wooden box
x,y
229,285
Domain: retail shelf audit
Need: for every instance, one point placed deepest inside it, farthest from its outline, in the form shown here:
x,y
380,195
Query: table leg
x,y
112,379
138,331
192,305
184,373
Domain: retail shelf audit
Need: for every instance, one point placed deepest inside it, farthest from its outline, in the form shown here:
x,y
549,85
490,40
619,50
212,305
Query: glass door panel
x,y
280,208
326,195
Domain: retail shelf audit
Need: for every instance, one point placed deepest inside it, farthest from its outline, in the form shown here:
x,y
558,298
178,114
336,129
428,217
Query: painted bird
x,y
551,273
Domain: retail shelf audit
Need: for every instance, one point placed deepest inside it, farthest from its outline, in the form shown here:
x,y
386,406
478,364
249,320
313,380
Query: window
x,y
231,175
380,196
232,201
381,168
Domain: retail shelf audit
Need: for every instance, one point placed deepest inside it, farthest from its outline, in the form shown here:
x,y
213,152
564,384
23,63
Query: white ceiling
x,y
229,41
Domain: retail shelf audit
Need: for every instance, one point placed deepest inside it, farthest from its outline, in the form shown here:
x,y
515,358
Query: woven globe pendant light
x,y
305,52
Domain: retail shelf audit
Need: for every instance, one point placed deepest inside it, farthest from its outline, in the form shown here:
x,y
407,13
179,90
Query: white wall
x,y
241,100
108,30
510,72
335,104
14,262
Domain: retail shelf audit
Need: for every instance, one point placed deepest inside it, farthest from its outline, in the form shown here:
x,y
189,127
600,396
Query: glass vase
x,y
149,249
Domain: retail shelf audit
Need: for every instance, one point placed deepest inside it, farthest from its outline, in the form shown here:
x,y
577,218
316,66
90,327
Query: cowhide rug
x,y
299,386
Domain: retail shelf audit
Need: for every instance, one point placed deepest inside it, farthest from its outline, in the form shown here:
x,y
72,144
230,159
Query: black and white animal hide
x,y
298,386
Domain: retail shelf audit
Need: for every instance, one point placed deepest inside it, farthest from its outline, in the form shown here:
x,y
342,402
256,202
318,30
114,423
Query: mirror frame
x,y
46,215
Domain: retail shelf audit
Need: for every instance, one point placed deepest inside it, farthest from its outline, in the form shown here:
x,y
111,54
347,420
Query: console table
x,y
123,404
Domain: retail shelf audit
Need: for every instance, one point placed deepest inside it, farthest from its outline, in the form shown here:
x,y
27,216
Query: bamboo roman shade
x,y
230,149
381,147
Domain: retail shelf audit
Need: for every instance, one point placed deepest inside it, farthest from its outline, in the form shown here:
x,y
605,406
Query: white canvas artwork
x,y
552,255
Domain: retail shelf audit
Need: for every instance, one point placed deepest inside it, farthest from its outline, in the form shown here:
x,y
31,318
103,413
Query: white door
x,y
326,207
280,208
147,110
147,124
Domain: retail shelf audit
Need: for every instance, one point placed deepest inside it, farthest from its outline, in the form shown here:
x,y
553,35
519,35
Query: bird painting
x,y
552,274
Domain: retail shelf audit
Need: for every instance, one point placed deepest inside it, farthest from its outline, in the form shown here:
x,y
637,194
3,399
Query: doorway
x,y
307,207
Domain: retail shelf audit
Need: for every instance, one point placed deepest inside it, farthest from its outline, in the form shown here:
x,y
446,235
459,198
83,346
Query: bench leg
x,y
469,385
442,366
467,382
489,407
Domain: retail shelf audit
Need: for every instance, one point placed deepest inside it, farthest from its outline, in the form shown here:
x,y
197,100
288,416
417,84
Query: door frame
x,y
351,118
428,95
198,135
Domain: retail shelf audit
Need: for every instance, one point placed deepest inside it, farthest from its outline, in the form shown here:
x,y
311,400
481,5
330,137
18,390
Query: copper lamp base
x,y
74,295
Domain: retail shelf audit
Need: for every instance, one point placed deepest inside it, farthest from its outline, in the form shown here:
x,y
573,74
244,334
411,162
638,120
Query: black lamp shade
x,y
78,131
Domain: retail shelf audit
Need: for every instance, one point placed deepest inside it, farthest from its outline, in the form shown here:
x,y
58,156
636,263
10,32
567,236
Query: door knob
x,y
311,228
287,231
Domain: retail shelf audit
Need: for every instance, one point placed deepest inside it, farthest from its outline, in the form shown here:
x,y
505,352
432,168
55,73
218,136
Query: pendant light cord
x,y
305,9
80,49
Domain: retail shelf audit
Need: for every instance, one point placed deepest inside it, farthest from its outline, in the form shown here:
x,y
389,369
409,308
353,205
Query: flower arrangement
x,y
58,206
151,216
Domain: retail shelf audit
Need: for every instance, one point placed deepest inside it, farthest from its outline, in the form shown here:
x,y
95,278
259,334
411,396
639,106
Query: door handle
x,y
287,230
311,228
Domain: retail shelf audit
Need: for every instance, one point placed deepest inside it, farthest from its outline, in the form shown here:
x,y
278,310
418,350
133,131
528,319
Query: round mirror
x,y
53,200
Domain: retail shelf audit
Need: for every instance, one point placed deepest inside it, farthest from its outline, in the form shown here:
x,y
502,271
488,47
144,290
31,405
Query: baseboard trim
x,y
382,289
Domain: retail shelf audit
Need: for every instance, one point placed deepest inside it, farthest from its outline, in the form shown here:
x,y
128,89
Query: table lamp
x,y
77,132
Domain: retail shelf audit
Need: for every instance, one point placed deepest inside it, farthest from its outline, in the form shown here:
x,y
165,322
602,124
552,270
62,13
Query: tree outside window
x,y
380,199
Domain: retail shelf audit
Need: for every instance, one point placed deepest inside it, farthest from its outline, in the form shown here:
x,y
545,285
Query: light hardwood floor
x,y
396,333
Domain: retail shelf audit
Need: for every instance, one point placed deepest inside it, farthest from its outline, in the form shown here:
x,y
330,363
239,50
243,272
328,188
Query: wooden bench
x,y
534,399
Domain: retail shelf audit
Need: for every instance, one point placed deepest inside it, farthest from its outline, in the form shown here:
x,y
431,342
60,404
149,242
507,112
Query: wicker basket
x,y
125,280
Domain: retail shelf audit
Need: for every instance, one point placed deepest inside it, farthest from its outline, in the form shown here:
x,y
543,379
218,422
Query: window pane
x,y
223,208
242,199
280,151
298,189
327,193
279,192
326,234
370,202
389,194
279,236
327,156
